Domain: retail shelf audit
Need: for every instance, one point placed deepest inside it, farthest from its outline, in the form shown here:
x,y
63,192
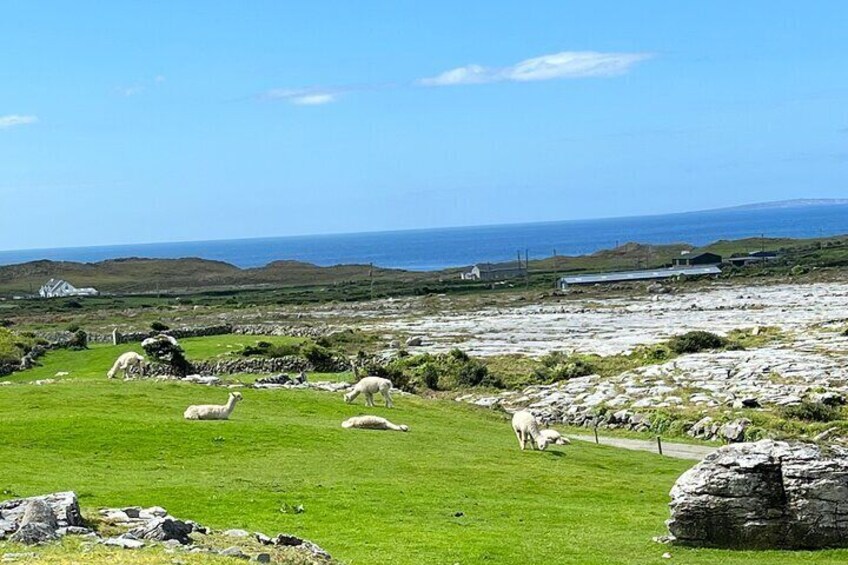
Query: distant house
x,y
688,260
753,258
56,288
495,271
644,275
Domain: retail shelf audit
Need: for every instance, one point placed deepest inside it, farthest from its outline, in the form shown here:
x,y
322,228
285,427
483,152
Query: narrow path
x,y
677,450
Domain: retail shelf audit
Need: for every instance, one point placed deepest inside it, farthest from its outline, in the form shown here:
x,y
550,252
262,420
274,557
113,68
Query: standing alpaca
x,y
373,423
369,386
125,362
525,427
213,411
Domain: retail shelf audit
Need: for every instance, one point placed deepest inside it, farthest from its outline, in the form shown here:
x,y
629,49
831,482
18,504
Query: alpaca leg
x,y
520,437
388,396
369,399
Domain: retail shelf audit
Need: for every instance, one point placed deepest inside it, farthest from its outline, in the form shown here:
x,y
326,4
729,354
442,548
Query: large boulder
x,y
38,519
763,495
164,529
64,505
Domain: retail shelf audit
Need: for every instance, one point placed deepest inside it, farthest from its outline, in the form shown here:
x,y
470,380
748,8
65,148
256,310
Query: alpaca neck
x,y
231,403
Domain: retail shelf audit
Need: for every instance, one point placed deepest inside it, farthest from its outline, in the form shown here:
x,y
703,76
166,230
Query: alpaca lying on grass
x,y
525,426
369,386
373,423
213,411
554,437
125,362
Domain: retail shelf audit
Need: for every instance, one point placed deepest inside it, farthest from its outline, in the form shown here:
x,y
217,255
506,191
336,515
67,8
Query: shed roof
x,y
622,276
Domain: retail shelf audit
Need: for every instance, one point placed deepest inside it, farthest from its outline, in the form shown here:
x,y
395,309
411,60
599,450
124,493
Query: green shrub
x,y
320,357
798,270
559,366
447,371
270,350
158,326
693,342
73,328
810,411
13,346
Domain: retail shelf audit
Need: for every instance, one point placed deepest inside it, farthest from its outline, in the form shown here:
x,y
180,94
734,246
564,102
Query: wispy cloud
x,y
140,87
13,120
304,96
567,64
563,65
131,90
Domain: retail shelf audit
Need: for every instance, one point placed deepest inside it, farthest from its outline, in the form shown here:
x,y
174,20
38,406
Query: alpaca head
x,y
404,428
541,442
348,397
235,396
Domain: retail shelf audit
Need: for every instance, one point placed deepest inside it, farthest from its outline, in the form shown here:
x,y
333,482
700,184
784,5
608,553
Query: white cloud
x,y
13,120
131,90
566,64
303,96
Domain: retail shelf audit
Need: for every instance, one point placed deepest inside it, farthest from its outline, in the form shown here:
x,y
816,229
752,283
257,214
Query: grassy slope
x,y
137,275
370,497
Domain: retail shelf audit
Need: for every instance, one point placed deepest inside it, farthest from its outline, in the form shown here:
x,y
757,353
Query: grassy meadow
x,y
455,489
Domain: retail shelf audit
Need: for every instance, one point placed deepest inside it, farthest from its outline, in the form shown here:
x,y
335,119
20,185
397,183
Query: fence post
x,y
596,434
659,445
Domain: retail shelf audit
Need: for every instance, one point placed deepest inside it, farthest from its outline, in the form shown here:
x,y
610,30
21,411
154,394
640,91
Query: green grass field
x,y
369,497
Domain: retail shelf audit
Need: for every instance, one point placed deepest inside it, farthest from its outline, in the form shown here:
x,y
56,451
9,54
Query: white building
x,y
55,288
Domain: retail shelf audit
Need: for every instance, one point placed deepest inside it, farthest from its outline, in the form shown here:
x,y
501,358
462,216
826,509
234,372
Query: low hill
x,y
145,275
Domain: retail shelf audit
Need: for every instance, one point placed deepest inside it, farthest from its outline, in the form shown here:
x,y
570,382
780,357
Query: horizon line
x,y
738,207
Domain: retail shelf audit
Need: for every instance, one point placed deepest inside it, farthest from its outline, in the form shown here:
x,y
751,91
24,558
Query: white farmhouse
x,y
55,288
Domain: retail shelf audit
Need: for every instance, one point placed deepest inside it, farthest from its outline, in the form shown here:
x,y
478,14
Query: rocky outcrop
x,y
763,495
41,518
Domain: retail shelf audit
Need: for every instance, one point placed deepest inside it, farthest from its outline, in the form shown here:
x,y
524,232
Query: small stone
x,y
263,539
234,551
124,543
236,533
263,558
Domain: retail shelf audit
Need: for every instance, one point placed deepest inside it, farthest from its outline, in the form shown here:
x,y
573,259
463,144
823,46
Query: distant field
x,y
369,497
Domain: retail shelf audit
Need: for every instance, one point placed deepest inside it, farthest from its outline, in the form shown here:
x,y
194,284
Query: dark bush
x,y
158,326
79,340
810,411
693,342
4,323
72,304
73,328
320,357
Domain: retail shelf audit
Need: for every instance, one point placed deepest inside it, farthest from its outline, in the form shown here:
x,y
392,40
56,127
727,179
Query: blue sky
x,y
125,122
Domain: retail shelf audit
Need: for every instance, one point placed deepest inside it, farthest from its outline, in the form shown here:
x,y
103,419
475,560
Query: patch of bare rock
x,y
42,519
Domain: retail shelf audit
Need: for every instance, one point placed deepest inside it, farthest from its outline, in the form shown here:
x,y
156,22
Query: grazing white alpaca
x,y
554,437
373,423
213,411
525,426
125,362
369,386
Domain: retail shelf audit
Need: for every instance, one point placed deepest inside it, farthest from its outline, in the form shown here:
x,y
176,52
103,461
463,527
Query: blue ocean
x,y
433,249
